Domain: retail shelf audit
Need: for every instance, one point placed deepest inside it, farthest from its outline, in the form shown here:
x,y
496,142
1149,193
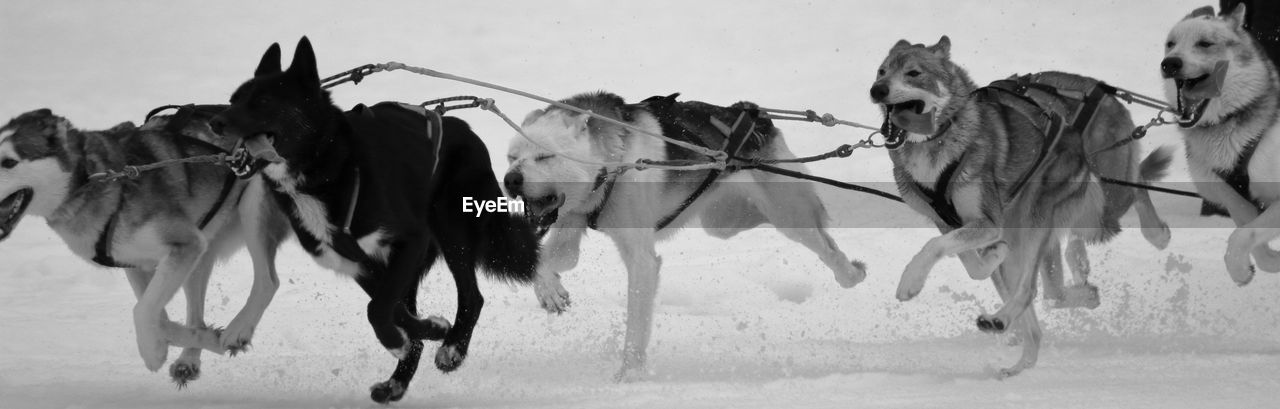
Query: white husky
x,y
1227,94
637,208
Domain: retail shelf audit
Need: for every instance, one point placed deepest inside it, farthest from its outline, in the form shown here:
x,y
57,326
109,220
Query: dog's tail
x,y
1156,165
509,249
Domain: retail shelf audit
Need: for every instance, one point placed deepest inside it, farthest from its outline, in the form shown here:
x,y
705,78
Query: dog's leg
x,y
1153,228
559,254
1029,335
970,237
1027,332
462,264
796,211
1246,239
1019,276
187,367
1242,213
643,266
1050,266
256,214
176,334
981,263
185,247
432,328
392,389
1081,293
403,270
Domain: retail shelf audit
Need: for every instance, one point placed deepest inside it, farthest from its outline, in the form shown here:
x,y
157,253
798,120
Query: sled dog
x,y
1227,95
986,167
373,195
166,228
637,208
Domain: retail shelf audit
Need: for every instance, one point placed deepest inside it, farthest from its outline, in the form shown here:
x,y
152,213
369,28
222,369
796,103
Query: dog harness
x,y
344,241
938,198
1238,178
102,248
675,120
1050,109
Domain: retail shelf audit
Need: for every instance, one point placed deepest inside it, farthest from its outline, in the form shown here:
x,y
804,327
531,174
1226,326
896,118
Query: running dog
x,y
373,195
1227,94
166,228
986,166
638,208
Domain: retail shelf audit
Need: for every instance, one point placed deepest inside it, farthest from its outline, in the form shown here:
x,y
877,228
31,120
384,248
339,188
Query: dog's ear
x,y
270,63
1237,15
304,63
942,48
900,44
533,116
1206,11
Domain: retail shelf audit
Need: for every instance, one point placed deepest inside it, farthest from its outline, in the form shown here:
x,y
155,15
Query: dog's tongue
x,y
1209,87
260,148
920,123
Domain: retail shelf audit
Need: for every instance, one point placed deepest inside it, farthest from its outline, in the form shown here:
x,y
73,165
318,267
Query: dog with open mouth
x,y
376,193
1227,95
987,166
638,208
166,228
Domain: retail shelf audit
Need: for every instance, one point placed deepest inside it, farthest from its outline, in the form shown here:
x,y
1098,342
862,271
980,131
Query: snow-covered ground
x,y
752,322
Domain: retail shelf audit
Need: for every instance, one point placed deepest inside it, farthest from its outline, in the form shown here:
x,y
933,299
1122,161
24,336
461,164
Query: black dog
x,y
373,194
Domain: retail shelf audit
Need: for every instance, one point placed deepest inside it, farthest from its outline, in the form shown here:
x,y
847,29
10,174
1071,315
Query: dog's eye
x,y
8,163
541,158
1169,44
913,73
511,158
1204,44
880,73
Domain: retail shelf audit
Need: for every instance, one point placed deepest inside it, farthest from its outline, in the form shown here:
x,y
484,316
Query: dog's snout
x,y
1170,66
879,91
513,182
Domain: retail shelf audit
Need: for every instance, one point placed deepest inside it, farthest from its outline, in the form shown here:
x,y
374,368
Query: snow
x,y
756,321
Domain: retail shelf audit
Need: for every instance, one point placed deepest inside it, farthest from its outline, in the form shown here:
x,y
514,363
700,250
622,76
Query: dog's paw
x,y
449,357
235,338
1266,259
856,272
183,371
153,350
631,373
991,324
1158,236
912,282
386,392
1006,373
1239,268
436,328
552,296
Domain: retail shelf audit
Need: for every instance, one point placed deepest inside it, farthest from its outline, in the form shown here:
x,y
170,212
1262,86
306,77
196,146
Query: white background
x,y
752,322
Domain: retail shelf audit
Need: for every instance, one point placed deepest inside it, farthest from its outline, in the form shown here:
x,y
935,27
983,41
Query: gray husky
x,y
1227,95
166,228
984,166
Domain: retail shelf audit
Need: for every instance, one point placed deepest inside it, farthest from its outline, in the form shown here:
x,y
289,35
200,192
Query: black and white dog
x,y
371,193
